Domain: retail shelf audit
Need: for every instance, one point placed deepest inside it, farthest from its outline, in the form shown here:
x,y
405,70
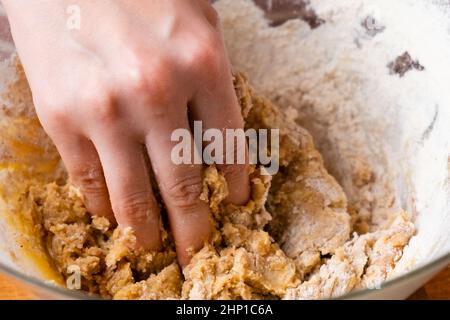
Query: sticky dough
x,y
295,239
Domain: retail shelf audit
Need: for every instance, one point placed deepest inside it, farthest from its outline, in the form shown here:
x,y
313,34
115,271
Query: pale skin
x,y
111,93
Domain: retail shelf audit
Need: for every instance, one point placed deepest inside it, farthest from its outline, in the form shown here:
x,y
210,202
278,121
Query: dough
x,y
293,240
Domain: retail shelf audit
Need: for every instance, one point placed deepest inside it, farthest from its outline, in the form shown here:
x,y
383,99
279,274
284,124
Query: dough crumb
x,y
295,239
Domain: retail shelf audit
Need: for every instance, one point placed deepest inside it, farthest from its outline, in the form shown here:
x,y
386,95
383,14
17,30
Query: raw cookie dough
x,y
293,240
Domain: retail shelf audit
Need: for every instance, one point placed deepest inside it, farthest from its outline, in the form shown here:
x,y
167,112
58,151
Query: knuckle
x,y
60,110
100,105
233,173
136,82
185,192
206,53
160,81
52,110
232,170
58,116
134,78
105,113
90,181
149,79
133,207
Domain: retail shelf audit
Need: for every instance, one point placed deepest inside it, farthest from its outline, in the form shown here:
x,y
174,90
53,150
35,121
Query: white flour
x,y
362,115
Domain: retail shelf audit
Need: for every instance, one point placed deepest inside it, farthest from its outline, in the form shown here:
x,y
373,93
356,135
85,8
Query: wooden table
x,y
438,288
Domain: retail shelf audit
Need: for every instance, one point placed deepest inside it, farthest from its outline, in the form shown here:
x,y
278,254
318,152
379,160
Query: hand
x,y
111,93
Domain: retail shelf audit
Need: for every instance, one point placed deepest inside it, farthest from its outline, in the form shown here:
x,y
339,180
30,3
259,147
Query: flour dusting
x,y
339,78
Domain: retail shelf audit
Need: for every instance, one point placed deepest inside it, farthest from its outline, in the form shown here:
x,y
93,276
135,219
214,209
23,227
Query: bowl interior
x,y
339,67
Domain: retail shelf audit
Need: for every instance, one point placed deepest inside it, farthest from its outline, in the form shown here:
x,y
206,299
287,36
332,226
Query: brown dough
x,y
300,247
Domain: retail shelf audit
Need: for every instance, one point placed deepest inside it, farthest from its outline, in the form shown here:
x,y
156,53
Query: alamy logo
x,y
73,281
74,19
227,147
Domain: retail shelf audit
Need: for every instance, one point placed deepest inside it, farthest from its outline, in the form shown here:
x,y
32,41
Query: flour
x,y
337,77
6,47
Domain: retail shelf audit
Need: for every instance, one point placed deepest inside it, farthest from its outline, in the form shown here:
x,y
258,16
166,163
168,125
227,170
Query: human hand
x,y
111,93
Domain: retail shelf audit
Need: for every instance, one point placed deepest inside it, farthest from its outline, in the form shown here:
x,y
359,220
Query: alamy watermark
x,y
73,281
74,17
227,146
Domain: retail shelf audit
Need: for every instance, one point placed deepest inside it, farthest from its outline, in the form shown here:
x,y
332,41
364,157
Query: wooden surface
x,y
12,290
438,288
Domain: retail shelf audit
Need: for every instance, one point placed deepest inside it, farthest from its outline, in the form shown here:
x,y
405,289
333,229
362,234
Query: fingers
x,y
85,170
181,187
218,108
130,191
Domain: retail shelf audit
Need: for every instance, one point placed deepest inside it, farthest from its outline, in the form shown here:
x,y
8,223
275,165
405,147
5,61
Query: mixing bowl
x,y
399,102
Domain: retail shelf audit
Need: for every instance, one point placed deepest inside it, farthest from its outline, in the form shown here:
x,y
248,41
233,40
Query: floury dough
x,y
295,239
301,236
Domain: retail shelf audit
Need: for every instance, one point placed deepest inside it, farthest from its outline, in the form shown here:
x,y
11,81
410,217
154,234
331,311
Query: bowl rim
x,y
64,293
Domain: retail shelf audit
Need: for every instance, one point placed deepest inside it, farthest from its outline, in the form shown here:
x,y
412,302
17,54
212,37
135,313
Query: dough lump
x,y
294,239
